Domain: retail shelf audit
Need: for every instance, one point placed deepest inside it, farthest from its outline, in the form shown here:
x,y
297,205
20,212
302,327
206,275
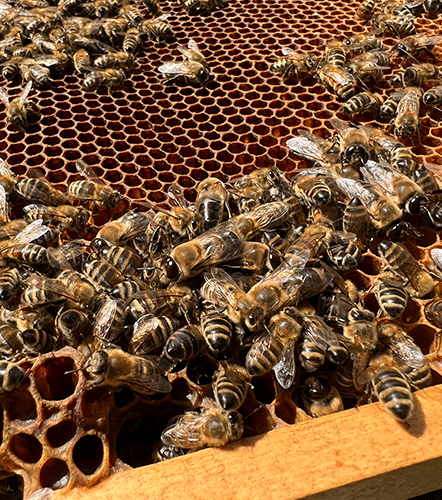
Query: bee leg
x,y
429,53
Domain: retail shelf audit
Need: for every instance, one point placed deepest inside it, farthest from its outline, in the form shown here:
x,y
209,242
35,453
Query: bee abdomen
x,y
9,284
418,377
103,273
393,391
11,376
217,331
392,300
230,396
311,355
261,358
183,344
211,212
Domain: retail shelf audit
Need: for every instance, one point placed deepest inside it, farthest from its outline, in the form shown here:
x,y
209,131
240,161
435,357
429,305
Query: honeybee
x,y
212,427
115,368
217,329
121,230
152,332
407,121
370,65
37,341
212,203
319,342
391,295
72,325
293,63
8,179
364,43
123,258
109,322
63,216
157,29
185,343
11,229
231,386
153,7
365,9
251,190
400,261
406,353
353,143
12,376
132,40
199,6
41,191
433,97
389,107
412,46
312,191
17,109
400,25
334,307
355,220
339,79
93,189
390,386
102,273
38,73
335,53
288,284
112,27
433,312
114,59
314,148
362,103
11,67
109,78
415,75
383,212
11,342
402,190
10,284
193,68
25,253
275,348
320,397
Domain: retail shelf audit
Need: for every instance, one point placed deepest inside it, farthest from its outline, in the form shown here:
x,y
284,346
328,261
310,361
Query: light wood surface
x,y
361,454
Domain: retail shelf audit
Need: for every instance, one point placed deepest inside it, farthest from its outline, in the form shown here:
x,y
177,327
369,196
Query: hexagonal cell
x,y
61,433
53,380
88,454
54,474
26,447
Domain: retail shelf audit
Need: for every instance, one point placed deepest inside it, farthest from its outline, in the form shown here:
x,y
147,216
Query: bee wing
x,y
410,354
318,332
287,51
436,255
31,232
25,93
374,173
163,17
424,40
361,372
340,76
186,432
223,287
176,196
146,383
175,68
4,97
353,188
4,205
59,257
50,285
86,171
4,169
285,369
306,148
136,223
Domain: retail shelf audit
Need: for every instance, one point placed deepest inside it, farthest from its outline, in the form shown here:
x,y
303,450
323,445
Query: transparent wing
x,y
176,196
25,93
285,369
287,51
175,68
187,432
306,148
410,354
4,205
31,232
4,169
86,171
4,97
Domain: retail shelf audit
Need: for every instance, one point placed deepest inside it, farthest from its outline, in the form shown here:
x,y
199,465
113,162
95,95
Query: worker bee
x,y
93,189
102,273
370,64
318,343
217,328
202,6
391,295
11,67
383,212
121,230
10,284
399,260
114,59
124,259
320,397
335,53
364,43
407,121
17,109
406,353
157,29
231,386
365,9
109,78
353,143
132,40
433,97
275,348
415,75
400,25
112,27
152,332
116,368
12,376
432,7
72,325
11,342
153,7
185,343
24,253
402,190
293,63
390,386
210,427
412,46
339,79
362,103
109,322
41,191
389,108
212,203
164,452
312,191
37,341
193,68
63,216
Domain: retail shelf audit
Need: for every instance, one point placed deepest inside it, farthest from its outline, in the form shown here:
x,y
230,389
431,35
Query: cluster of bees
x,y
252,274
361,60
40,40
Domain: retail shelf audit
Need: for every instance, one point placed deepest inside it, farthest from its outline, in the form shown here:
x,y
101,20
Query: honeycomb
x,y
58,431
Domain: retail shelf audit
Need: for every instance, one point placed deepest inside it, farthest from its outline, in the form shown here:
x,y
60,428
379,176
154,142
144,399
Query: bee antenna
x,y
73,371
